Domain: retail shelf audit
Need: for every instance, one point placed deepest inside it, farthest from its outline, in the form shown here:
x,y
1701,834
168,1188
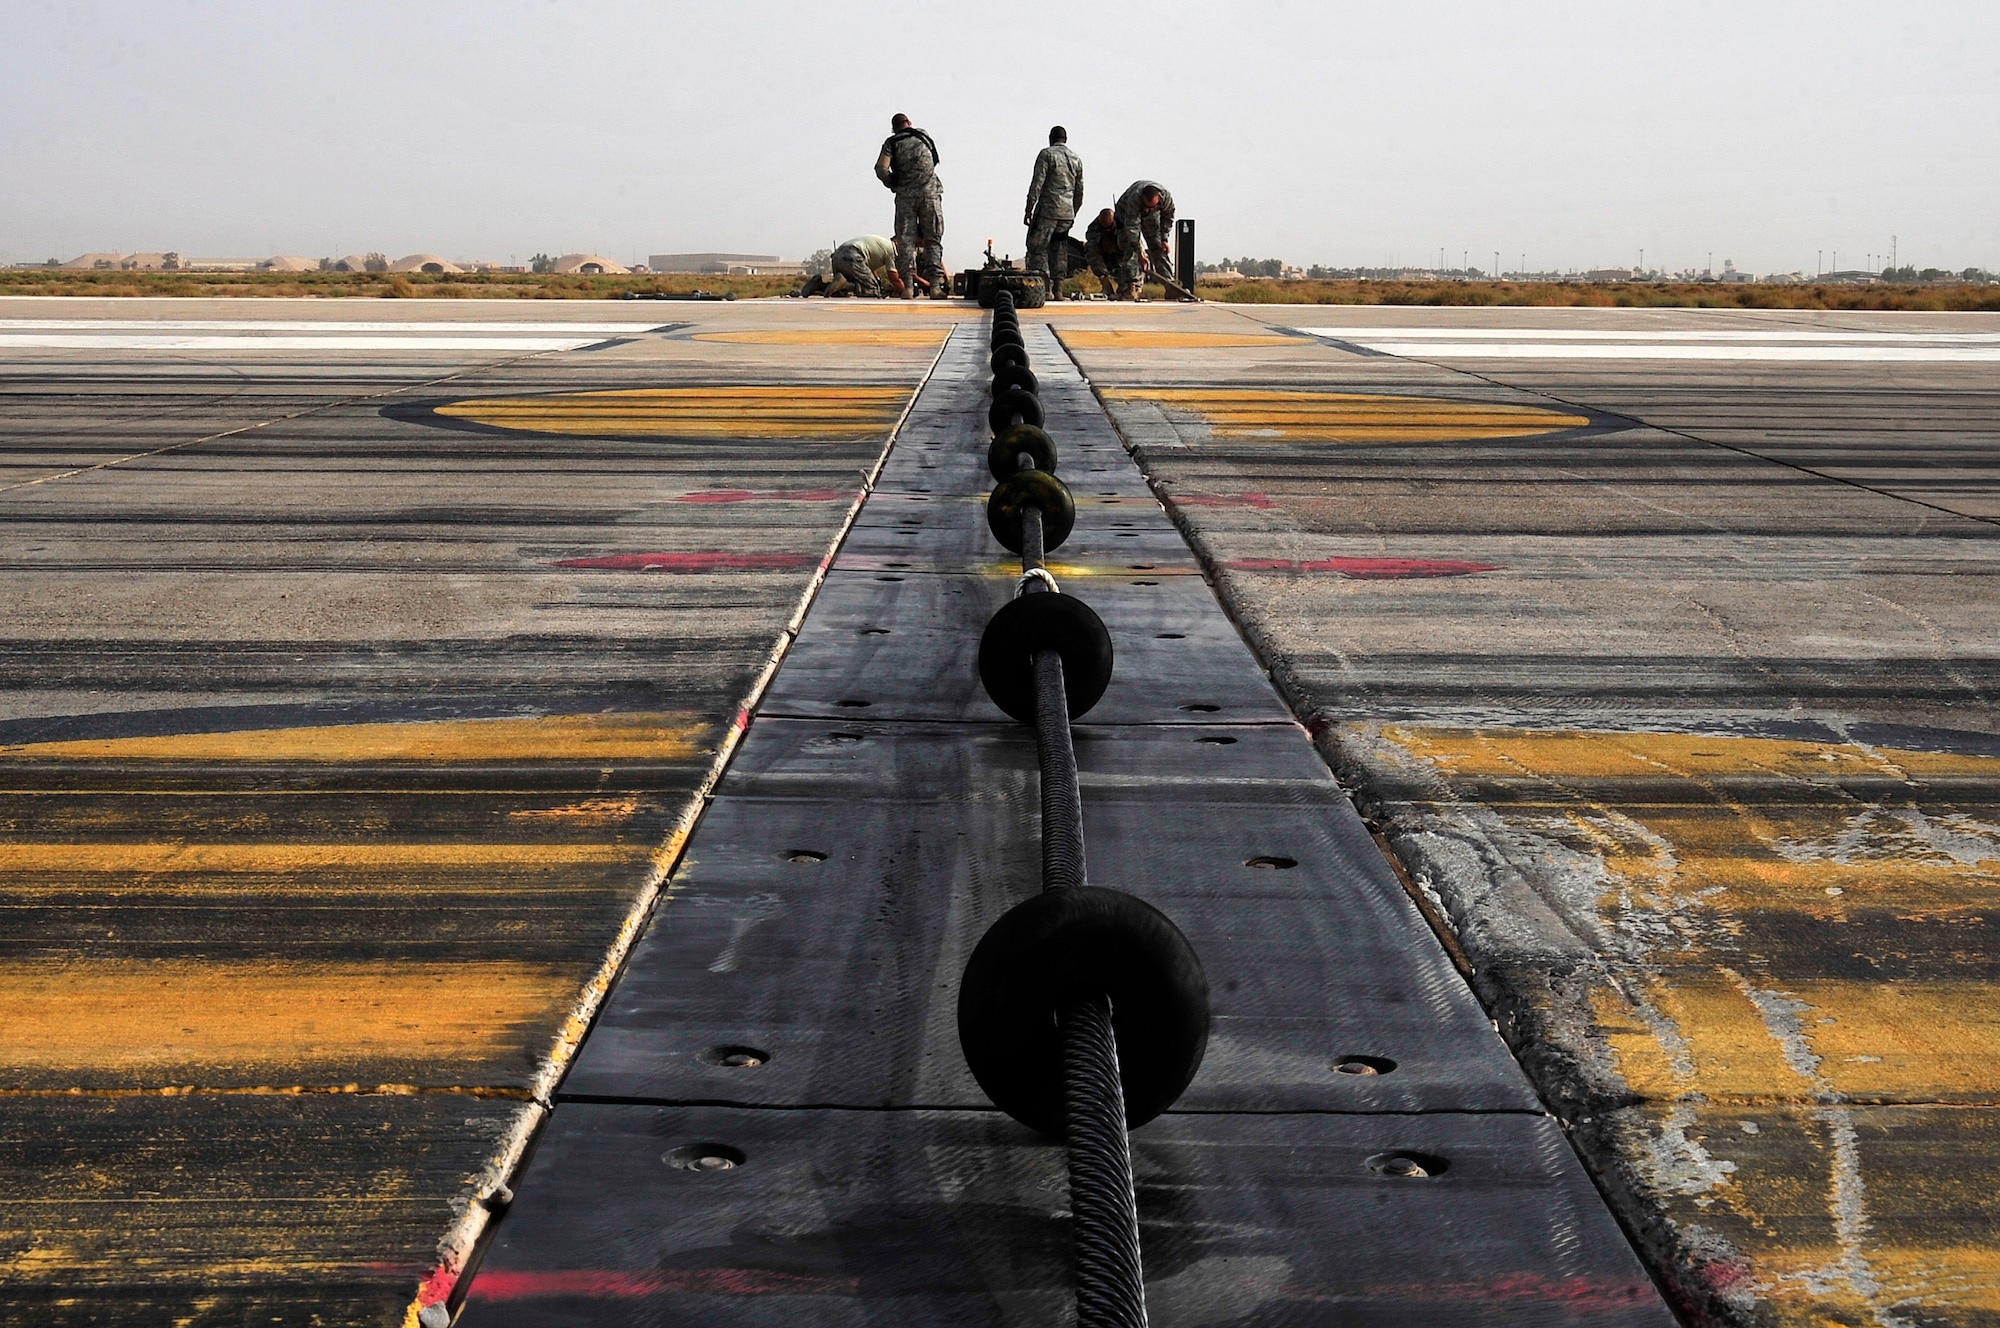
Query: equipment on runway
x,y
1083,1012
1029,290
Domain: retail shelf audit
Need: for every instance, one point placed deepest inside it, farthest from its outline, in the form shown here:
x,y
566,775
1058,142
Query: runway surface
x,y
367,666
1682,705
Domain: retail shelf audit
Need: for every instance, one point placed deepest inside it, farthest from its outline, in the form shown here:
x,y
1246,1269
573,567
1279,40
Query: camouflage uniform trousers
x,y
851,263
1048,248
1130,235
920,236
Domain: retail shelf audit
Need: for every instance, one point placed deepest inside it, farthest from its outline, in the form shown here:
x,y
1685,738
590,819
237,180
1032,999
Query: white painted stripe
x,y
1693,334
260,345
320,325
1491,350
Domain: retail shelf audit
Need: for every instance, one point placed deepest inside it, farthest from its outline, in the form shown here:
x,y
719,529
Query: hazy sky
x,y
1575,131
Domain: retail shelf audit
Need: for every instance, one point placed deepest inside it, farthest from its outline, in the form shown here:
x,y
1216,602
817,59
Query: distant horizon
x,y
195,260
1580,137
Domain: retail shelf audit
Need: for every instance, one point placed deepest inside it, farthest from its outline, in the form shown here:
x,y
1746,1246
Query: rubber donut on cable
x,y
1010,404
1016,375
1022,628
1030,488
1056,947
1003,456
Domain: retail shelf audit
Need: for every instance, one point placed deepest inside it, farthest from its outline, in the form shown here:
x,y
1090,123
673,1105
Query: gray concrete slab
x,y
1671,700
839,1217
347,727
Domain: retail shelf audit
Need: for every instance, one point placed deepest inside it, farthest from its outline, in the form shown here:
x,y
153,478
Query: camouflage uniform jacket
x,y
1131,209
1101,239
908,163
1057,190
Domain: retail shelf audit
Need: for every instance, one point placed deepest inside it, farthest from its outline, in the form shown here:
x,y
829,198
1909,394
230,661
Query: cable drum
x,y
1063,945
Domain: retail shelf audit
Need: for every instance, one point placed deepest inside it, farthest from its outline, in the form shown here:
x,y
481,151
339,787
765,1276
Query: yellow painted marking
x,y
1739,881
579,738
591,811
256,1019
1340,417
695,412
1065,571
291,859
895,338
1696,835
1128,339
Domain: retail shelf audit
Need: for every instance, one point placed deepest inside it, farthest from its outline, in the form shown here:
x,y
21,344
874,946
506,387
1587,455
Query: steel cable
x,y
1110,1279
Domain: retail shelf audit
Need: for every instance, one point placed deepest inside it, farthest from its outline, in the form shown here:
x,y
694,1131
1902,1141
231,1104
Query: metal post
x,y
1184,253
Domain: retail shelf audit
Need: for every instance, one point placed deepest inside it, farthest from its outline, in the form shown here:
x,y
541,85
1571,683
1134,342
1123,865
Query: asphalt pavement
x,y
1660,646
367,667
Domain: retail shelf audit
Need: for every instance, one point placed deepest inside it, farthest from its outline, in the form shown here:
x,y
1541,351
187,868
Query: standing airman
x,y
1054,195
907,164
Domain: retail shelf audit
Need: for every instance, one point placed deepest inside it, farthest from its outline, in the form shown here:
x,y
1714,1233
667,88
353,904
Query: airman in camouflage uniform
x,y
860,267
1053,198
1098,250
1145,215
908,165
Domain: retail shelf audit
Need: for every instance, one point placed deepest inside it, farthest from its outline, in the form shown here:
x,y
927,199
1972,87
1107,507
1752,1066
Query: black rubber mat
x,y
879,816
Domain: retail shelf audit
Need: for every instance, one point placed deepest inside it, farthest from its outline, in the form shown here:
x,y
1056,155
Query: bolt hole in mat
x,y
856,1171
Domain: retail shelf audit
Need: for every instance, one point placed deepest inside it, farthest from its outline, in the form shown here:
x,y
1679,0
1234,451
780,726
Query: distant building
x,y
1730,273
587,265
732,265
289,263
1614,274
95,263
167,262
429,263
351,263
220,265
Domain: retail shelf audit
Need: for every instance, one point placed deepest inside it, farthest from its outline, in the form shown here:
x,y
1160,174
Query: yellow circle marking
x,y
897,337
695,412
595,738
1340,417
1119,338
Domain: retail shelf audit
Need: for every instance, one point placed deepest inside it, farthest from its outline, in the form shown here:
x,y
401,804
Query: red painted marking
x,y
767,496
694,562
1257,500
438,1286
1574,1293
1366,569
507,1284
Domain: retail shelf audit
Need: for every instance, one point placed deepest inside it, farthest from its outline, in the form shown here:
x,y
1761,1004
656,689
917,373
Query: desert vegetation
x,y
1608,295
381,285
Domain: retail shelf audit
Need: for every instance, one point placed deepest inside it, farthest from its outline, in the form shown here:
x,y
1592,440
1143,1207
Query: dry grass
x,y
1633,295
376,285
516,286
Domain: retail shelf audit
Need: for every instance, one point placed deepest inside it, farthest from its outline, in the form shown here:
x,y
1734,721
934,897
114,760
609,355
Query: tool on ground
x,y
1083,1012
